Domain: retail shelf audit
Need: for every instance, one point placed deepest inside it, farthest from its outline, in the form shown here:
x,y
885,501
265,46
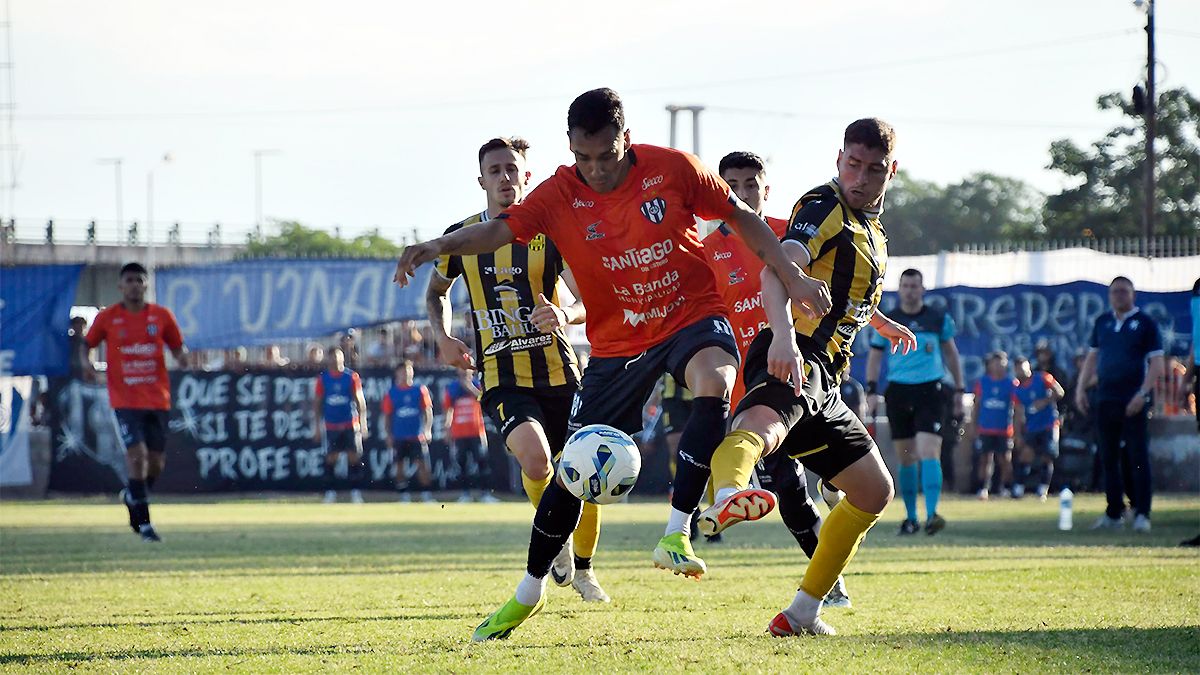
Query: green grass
x,y
257,586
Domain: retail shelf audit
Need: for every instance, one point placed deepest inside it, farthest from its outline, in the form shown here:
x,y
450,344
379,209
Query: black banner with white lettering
x,y
243,431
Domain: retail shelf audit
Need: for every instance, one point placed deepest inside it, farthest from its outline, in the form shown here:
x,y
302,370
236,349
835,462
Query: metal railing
x,y
1156,247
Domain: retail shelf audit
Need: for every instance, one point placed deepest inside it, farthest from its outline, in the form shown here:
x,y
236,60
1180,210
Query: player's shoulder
x,y
816,205
470,220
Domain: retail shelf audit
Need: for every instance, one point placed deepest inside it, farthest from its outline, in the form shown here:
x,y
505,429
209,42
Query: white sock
x,y
724,493
679,522
530,590
803,610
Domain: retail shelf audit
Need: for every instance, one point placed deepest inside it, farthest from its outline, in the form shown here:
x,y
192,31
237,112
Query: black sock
x,y
150,482
358,475
801,519
556,518
583,563
1045,473
704,431
139,506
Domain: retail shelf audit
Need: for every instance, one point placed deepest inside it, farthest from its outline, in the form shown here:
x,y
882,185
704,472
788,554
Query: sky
x,y
374,112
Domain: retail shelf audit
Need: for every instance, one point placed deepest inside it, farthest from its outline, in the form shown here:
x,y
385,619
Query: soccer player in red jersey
x,y
737,275
139,389
623,219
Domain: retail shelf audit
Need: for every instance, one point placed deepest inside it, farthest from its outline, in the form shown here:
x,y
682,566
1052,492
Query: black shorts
x,y
411,448
781,474
1044,443
143,426
995,444
465,447
829,442
676,412
509,407
914,408
614,389
819,392
343,440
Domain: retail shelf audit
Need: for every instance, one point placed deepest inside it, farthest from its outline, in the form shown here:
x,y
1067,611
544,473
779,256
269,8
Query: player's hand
x,y
548,317
456,353
810,296
873,401
900,337
1135,405
784,360
1081,400
413,257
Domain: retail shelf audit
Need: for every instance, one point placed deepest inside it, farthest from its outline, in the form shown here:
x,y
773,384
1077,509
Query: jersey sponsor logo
x,y
651,182
520,344
593,232
806,229
847,329
722,255
654,313
581,204
504,323
748,304
737,276
651,256
139,349
501,289
655,210
337,399
503,270
656,288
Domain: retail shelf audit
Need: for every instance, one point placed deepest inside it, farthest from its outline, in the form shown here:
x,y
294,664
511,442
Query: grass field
x,y
255,586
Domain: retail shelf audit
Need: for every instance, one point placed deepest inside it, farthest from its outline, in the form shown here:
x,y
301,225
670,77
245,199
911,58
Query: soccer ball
x,y
599,464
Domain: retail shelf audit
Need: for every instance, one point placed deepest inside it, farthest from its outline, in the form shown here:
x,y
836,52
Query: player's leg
x,y
466,477
401,468
483,463
132,427
356,472
854,464
332,460
1047,452
901,414
1108,420
929,450
156,446
1020,467
424,471
1135,440
985,461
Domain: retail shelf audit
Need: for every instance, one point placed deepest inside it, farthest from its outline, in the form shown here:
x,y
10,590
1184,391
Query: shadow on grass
x,y
1122,649
233,620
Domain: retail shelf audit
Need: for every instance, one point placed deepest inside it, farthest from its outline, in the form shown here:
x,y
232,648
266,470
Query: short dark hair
x,y
873,133
1119,279
913,272
516,144
406,363
995,354
594,110
1020,358
741,159
136,268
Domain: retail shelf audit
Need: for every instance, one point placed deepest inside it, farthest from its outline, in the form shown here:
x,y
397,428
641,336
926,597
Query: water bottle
x,y
1066,501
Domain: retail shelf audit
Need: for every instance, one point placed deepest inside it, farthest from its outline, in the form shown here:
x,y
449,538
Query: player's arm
x,y
874,366
318,416
954,365
783,356
898,335
451,350
448,412
385,413
1087,372
474,240
173,338
549,317
1056,391
426,413
811,295
361,401
976,406
1018,418
1152,343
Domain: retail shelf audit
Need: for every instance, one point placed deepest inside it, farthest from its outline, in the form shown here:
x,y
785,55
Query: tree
x,y
1108,199
923,217
294,239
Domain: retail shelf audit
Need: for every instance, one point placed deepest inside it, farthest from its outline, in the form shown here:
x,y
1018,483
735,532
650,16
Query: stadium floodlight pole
x,y
258,210
119,190
166,159
695,110
1151,112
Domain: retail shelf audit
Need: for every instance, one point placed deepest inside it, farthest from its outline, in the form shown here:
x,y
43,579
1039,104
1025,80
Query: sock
x,y
696,446
358,475
908,489
139,505
931,484
841,534
583,563
710,493
534,487
150,480
733,461
556,518
1045,473
587,534
679,521
1020,472
803,610
530,590
802,520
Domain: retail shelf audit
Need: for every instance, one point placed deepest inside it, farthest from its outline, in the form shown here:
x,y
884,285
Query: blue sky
x,y
377,109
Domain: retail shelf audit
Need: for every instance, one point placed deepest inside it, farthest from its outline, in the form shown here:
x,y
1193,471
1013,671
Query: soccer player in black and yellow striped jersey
x,y
792,370
528,371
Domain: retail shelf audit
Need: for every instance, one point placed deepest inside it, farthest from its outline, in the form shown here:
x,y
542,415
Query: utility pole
x,y
695,110
1151,126
166,159
116,163
258,210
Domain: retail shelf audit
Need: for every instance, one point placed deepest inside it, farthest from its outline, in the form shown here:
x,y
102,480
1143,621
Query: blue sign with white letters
x,y
35,315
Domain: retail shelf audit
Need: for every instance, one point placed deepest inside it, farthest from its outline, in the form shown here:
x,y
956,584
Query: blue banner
x,y
35,315
1015,318
257,302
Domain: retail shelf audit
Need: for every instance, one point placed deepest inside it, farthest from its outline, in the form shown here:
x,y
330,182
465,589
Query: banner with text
x,y
35,314
245,431
1015,318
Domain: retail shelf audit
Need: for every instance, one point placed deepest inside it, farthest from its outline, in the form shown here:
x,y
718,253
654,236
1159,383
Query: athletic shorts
x,y
1044,443
781,474
614,389
471,445
411,448
995,444
676,412
914,408
343,440
509,407
143,426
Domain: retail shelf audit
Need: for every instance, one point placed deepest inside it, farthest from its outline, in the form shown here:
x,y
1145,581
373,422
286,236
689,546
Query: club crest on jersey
x,y
537,243
655,210
152,330
737,276
593,232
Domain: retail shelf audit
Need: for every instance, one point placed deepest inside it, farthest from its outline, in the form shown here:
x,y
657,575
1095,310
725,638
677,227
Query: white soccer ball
x,y
599,464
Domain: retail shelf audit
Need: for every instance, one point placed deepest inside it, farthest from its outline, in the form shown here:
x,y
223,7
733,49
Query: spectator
x,y
468,439
412,344
379,353
316,356
349,348
81,365
273,359
1126,355
992,417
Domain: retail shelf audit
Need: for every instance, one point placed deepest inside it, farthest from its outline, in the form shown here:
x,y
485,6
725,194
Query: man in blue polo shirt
x,y
914,398
1126,355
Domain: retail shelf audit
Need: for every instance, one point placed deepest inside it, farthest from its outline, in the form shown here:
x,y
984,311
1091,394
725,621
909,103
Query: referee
x,y
1126,355
914,398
